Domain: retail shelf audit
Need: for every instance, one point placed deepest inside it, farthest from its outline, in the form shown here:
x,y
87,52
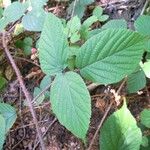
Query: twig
x,y
145,6
105,115
42,92
24,59
26,93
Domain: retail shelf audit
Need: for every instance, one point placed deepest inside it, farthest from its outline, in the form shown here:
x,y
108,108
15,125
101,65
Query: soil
x,y
23,136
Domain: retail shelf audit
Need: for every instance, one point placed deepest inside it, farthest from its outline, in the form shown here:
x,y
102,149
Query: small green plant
x,y
72,52
104,58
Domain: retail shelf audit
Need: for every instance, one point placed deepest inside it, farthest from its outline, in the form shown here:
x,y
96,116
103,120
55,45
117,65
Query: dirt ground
x,y
23,135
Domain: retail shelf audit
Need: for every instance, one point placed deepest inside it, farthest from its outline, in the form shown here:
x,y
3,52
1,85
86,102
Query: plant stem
x,y
25,91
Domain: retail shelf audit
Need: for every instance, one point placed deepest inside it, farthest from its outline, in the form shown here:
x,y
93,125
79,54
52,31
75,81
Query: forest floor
x,y
23,136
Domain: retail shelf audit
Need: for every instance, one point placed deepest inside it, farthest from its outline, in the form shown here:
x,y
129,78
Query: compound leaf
x,y
106,57
52,46
70,102
120,132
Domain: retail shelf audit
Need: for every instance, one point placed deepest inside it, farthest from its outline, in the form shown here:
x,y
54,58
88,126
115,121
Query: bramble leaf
x,y
106,57
71,103
120,132
52,46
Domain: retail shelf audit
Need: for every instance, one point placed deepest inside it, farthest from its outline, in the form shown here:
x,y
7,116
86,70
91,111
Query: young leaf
x,y
120,132
9,113
98,11
106,57
74,24
145,117
71,103
2,131
52,46
136,81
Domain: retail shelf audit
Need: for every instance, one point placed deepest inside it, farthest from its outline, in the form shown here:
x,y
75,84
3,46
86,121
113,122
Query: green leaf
x,y
71,103
3,82
146,68
40,99
18,29
3,23
1,12
103,18
144,141
45,82
120,132
142,25
136,81
112,24
14,11
52,46
2,131
106,57
115,24
147,46
25,45
37,4
86,2
79,7
74,24
75,37
34,20
9,113
98,11
88,22
145,117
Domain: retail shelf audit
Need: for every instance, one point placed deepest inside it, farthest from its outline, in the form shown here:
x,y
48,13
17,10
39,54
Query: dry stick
x,y
26,93
105,115
145,6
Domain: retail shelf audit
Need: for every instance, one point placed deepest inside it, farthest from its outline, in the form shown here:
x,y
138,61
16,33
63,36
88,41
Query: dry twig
x,y
26,93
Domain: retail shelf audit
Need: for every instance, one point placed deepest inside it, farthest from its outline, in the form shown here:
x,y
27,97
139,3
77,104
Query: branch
x,y
26,93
